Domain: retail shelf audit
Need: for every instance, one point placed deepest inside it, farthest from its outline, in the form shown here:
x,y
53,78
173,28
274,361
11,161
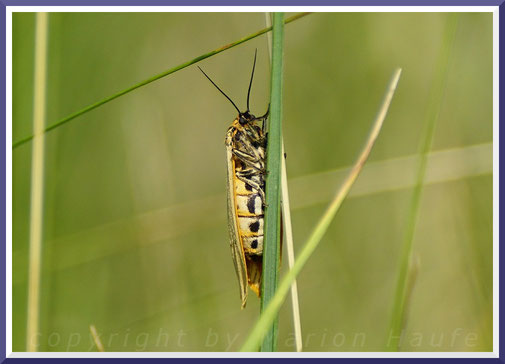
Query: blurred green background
x,y
135,235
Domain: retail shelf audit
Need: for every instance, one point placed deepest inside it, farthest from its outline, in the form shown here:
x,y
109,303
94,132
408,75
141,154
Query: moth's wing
x,y
237,250
254,270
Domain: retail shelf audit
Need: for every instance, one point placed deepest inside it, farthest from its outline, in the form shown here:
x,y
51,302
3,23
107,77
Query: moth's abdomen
x,y
249,205
250,217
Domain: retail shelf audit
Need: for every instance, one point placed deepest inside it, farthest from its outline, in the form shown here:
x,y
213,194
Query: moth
x,y
246,142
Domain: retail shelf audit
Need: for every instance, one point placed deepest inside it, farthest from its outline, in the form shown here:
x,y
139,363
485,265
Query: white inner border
x,y
8,154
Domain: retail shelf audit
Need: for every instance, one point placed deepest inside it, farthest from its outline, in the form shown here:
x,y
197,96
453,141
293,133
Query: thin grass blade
x,y
37,183
271,249
152,79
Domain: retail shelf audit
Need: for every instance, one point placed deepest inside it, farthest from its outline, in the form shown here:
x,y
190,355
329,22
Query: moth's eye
x,y
242,120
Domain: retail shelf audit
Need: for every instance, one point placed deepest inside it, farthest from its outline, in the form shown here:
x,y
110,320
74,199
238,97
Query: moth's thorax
x,y
249,133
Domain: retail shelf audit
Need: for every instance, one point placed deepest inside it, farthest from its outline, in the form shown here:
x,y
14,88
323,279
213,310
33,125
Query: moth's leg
x,y
250,144
245,176
252,133
253,160
266,114
246,158
251,172
264,141
263,118
251,140
247,173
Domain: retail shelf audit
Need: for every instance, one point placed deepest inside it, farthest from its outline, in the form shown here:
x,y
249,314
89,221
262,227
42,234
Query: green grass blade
x,y
271,249
404,284
153,78
37,184
287,229
270,313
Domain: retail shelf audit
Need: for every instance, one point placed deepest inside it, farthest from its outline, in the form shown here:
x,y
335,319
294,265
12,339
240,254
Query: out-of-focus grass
x,y
135,238
408,266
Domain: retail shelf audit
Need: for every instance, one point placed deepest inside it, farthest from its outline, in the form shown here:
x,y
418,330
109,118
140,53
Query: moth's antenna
x,y
252,75
220,90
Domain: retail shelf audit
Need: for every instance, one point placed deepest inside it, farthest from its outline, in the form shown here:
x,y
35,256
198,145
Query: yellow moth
x,y
245,157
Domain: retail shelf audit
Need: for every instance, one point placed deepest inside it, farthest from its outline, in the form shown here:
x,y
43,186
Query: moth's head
x,y
246,117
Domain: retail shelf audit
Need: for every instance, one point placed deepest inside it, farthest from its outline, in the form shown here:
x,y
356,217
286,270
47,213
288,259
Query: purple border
x,y
3,4
501,101
253,2
2,186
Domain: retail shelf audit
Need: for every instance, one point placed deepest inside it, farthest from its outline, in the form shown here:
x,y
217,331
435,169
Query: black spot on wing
x,y
254,227
248,187
254,243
